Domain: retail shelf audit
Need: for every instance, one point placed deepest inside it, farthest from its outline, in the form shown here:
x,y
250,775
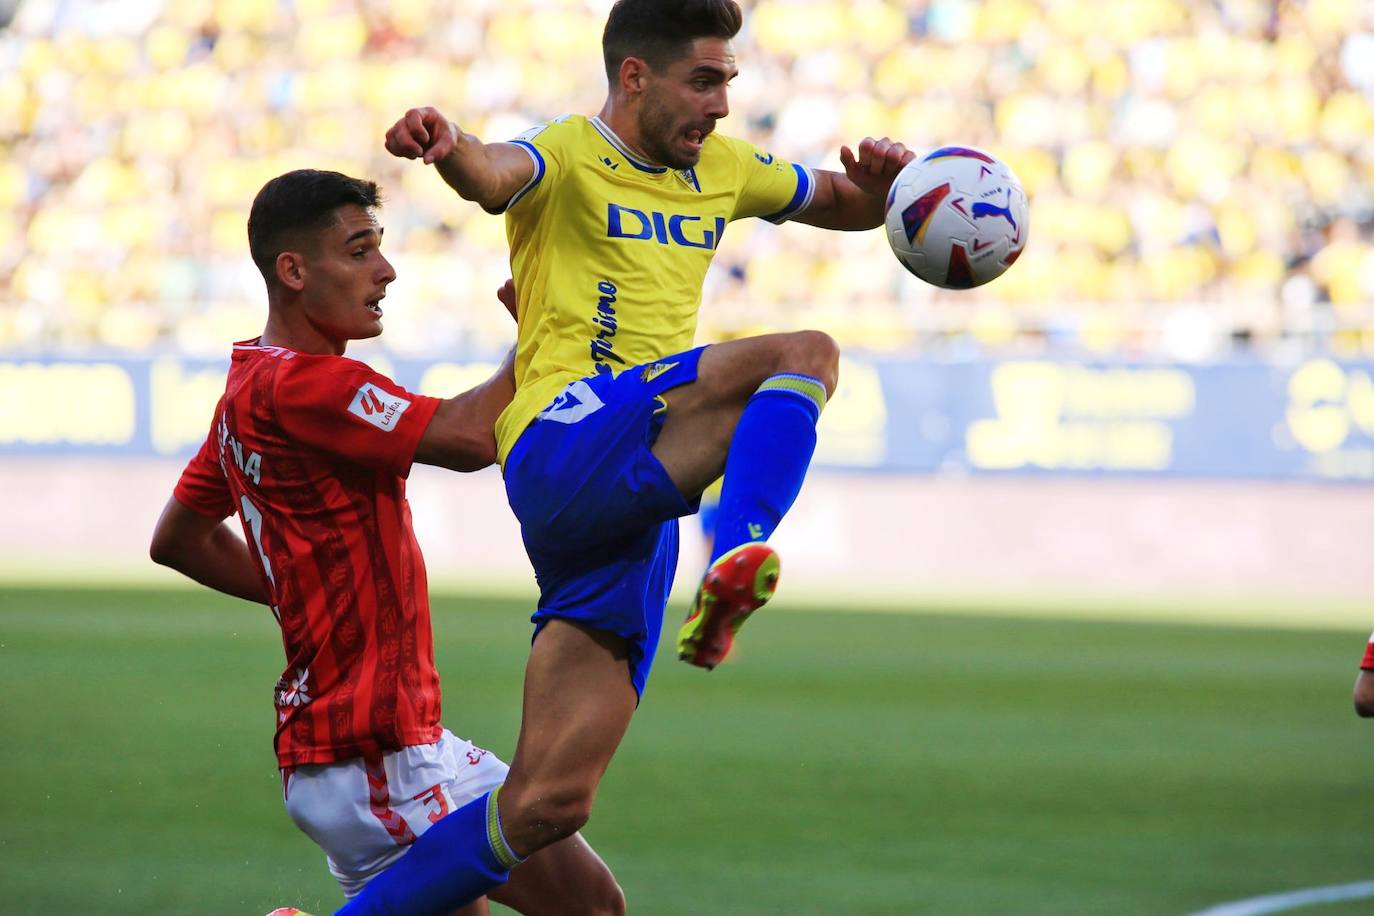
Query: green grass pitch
x,y
842,763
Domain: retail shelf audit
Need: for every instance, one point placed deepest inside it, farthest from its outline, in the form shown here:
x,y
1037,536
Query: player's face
x,y
683,103
347,277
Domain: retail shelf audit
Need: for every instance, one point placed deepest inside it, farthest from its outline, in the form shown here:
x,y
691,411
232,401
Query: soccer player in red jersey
x,y
311,450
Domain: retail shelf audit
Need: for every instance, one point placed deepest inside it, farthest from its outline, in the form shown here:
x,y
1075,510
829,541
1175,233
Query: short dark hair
x,y
297,203
659,31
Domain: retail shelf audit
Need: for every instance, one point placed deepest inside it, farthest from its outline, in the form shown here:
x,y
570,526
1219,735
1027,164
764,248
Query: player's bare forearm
x,y
474,173
857,198
461,435
489,174
206,550
841,204
490,398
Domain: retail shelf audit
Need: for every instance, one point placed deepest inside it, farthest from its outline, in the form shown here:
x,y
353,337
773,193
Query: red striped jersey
x,y
312,452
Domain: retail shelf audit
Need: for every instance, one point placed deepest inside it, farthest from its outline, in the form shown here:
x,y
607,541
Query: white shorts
x,y
365,812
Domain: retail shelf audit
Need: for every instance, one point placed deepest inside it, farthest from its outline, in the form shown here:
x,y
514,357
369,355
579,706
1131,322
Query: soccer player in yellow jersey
x,y
617,426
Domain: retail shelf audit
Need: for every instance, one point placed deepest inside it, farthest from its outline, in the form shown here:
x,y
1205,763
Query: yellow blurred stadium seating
x,y
1201,173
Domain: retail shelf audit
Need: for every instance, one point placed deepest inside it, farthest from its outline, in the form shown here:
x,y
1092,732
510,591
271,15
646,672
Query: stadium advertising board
x,y
1310,420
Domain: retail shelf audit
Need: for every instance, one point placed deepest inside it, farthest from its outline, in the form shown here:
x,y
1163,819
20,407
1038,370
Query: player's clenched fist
x,y
422,133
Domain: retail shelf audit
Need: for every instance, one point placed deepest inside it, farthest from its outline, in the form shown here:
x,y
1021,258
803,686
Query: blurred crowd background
x,y
1201,172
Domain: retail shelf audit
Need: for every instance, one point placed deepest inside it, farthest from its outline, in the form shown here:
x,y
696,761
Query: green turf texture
x,y
841,763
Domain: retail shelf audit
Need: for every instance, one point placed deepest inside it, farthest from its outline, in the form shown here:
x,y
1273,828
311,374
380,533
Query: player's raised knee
x,y
814,353
558,813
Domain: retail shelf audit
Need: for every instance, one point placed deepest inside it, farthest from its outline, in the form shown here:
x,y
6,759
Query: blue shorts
x,y
597,511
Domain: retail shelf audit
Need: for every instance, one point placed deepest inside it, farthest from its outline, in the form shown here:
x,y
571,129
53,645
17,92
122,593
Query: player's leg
x,y
369,826
579,698
578,702
703,416
364,813
454,863
751,413
565,879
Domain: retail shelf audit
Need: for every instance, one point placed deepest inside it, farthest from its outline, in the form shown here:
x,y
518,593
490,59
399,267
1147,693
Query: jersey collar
x,y
243,347
622,149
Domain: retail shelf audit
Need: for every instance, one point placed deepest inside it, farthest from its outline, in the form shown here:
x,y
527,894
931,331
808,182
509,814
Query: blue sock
x,y
769,455
453,863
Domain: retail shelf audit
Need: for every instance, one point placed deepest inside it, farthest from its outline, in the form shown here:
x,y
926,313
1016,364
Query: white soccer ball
x,y
957,218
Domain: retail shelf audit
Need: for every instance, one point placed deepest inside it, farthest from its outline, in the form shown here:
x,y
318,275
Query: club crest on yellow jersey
x,y
654,370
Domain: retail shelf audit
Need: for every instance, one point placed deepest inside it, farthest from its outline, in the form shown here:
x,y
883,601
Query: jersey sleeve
x,y
202,487
543,143
1367,663
772,188
344,408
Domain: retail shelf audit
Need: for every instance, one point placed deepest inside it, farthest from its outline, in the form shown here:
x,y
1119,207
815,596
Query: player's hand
x,y
875,165
422,133
507,296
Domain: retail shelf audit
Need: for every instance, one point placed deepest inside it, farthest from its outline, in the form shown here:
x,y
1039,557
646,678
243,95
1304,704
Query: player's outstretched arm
x,y
461,434
207,550
488,173
1364,694
857,199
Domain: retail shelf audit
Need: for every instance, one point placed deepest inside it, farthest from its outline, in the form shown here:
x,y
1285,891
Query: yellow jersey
x,y
609,252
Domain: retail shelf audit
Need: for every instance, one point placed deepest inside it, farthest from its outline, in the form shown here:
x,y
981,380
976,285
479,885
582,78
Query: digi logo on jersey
x,y
665,228
378,406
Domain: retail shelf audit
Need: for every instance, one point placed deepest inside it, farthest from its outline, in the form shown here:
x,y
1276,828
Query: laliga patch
x,y
538,129
377,406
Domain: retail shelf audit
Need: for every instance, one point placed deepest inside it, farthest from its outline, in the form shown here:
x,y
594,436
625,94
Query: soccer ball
x,y
956,218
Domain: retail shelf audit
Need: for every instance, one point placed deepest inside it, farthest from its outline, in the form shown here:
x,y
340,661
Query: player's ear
x,y
634,75
291,270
